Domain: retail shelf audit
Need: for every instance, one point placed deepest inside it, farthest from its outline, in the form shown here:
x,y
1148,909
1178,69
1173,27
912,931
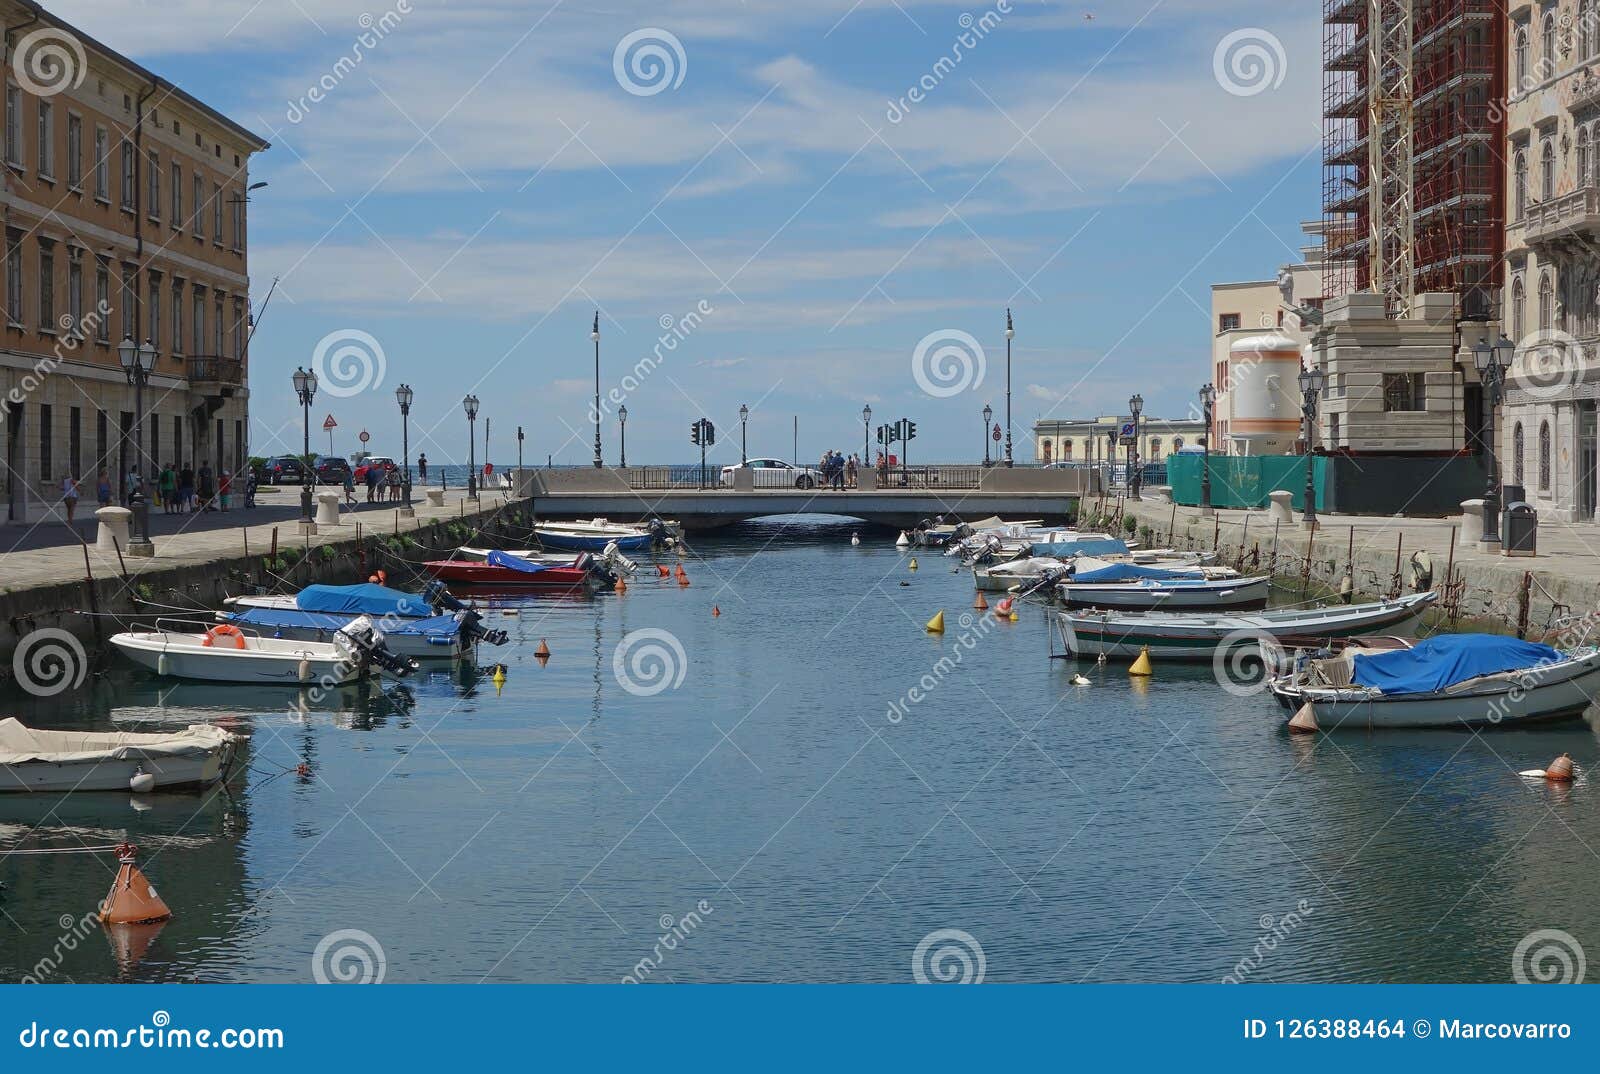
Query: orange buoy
x,y
372,579
980,603
683,579
1004,607
621,586
662,567
715,611
1560,770
1304,721
543,651
383,576
131,900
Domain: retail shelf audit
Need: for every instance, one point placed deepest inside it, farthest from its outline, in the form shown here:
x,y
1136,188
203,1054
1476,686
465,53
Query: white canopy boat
x,y
1099,584
1019,574
1447,681
59,761
227,653
1179,636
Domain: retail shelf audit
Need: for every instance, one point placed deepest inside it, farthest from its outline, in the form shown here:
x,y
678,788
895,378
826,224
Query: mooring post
x,y
1524,598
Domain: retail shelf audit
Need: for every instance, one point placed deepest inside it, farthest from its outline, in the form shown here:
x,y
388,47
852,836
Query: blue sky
x,y
483,179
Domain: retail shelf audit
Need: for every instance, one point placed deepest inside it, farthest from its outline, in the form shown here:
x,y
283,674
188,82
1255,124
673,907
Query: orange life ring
x,y
224,631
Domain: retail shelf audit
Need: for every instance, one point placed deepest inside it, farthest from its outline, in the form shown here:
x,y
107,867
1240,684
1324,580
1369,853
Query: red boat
x,y
514,572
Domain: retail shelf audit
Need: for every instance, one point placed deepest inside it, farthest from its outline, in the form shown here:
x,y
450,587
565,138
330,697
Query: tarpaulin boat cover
x,y
20,744
1134,572
365,599
516,563
273,618
1089,546
1443,661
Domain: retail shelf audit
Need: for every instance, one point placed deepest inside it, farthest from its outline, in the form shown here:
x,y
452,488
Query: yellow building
x,y
125,217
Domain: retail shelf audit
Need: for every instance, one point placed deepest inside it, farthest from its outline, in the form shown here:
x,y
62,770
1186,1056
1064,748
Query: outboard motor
x,y
660,536
614,559
1047,581
474,631
440,597
362,640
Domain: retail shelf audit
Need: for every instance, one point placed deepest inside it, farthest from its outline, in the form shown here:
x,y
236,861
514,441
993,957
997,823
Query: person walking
x,y
422,469
167,484
349,488
850,472
186,488
208,488
102,488
224,487
69,496
134,484
372,483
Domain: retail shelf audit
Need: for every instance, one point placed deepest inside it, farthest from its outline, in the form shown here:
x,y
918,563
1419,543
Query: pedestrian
x,y
224,487
372,483
186,488
250,489
102,488
422,468
168,486
208,488
391,478
850,472
349,488
133,484
838,472
69,496
883,469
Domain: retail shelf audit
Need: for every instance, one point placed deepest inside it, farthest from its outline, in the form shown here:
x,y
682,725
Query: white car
x,y
775,473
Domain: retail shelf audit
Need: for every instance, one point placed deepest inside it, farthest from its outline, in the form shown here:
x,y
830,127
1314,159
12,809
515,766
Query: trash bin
x,y
1521,537
1509,494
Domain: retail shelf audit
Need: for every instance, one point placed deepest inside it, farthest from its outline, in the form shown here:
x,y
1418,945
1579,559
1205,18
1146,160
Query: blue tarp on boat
x,y
1133,572
515,563
1443,661
275,618
1100,546
365,599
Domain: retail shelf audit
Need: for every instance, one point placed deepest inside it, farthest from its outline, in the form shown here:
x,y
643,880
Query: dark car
x,y
332,469
283,470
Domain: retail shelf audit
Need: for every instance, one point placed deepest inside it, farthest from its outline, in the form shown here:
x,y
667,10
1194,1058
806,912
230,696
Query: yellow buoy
x,y
1014,616
499,677
913,564
936,624
1141,665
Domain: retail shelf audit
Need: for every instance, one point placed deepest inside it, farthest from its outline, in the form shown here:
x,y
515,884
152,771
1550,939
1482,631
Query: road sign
x,y
364,437
329,423
1127,433
996,433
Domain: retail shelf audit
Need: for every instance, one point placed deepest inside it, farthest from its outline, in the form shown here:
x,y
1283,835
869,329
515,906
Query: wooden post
x,y
118,546
1273,567
1305,572
1172,525
1523,600
1449,568
93,598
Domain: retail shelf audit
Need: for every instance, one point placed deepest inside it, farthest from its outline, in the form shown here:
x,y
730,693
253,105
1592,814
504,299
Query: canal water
x,y
806,787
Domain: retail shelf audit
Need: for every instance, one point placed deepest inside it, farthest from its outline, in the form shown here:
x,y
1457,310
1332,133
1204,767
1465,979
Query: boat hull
x,y
415,646
465,572
171,774
1242,593
579,542
311,665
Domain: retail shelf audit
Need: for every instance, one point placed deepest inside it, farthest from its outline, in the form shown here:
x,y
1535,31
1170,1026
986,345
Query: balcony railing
x,y
210,369
1562,217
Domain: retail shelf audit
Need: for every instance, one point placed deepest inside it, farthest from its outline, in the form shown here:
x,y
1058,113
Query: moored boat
x,y
1098,584
513,572
59,761
437,637
226,653
596,534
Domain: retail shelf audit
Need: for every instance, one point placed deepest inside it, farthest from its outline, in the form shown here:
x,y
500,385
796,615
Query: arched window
x,y
1520,61
1044,448
1583,156
1066,449
1155,447
1544,456
1177,444
1521,183
1547,41
1547,303
1519,302
1547,170
1516,454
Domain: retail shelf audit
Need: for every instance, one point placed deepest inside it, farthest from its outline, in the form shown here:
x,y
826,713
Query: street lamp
x,y
622,427
988,416
1492,360
744,419
470,405
1208,402
1311,382
1135,477
305,386
866,434
403,395
137,362
1111,456
1010,331
595,335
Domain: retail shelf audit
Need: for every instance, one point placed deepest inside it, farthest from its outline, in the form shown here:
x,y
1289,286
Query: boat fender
x,y
304,670
161,664
141,782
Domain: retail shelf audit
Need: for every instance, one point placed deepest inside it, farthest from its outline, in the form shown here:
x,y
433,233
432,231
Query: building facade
x,y
1087,440
125,217
1546,433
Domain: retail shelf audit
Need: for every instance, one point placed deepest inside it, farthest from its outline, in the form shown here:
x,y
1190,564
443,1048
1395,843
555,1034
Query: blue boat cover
x,y
1094,546
365,599
274,618
515,563
1447,659
1133,572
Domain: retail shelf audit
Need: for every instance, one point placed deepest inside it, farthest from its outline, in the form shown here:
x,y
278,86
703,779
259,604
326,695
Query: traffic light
x,y
694,432
911,430
710,431
880,434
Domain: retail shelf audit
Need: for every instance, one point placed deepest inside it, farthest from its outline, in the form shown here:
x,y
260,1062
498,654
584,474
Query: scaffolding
x,y
1413,186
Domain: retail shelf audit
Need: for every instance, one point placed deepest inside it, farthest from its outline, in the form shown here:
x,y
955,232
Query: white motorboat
x,y
1449,681
227,653
60,761
1175,636
1024,572
1099,584
598,534
611,556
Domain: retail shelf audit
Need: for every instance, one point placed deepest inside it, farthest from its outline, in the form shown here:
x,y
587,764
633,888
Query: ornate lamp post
x,y
744,421
866,434
1135,476
1010,331
137,362
1208,402
988,416
1311,382
470,405
1111,455
305,386
595,335
622,429
403,395
1493,361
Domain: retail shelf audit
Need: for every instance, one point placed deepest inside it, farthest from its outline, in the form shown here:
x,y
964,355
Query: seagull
x,y
1079,680
855,538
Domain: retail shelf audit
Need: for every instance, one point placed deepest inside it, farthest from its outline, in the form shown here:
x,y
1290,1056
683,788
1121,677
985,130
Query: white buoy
x,y
141,782
902,541
855,538
1101,659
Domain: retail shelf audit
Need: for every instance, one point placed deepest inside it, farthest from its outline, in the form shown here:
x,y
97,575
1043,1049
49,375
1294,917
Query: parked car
x,y
775,473
283,470
382,463
332,469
